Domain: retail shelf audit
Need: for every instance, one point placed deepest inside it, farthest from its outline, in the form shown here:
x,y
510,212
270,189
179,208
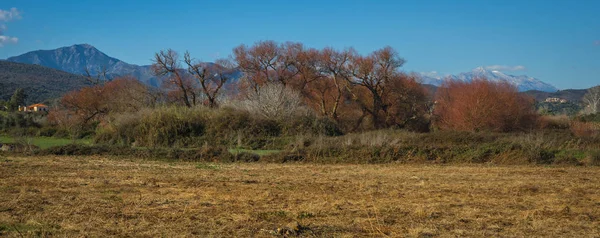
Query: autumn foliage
x,y
482,105
90,104
359,92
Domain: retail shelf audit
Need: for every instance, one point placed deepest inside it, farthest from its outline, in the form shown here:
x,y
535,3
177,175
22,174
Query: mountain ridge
x,y
76,58
522,82
79,57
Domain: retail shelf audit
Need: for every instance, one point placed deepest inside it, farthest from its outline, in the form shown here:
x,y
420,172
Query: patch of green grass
x,y
578,154
256,152
46,142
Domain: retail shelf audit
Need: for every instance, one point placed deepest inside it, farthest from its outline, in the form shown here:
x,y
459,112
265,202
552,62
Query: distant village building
x,y
34,108
556,100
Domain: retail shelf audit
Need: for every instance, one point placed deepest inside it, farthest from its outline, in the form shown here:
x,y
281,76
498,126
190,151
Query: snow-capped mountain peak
x,y
522,82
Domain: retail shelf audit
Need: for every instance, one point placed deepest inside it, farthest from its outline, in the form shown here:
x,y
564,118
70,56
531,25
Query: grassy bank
x,y
545,147
43,142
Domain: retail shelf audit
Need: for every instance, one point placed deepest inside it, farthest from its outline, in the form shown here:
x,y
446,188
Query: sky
x,y
555,41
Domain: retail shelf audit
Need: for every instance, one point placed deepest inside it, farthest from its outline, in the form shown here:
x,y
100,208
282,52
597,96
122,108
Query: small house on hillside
x,y
34,108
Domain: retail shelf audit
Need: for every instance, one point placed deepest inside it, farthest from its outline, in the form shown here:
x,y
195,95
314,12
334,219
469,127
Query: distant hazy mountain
x,y
40,83
522,82
75,59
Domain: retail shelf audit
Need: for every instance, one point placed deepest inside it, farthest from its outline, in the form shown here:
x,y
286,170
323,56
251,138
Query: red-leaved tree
x,y
482,105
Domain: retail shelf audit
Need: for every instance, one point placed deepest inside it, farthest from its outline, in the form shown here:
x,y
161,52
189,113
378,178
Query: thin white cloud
x,y
430,74
7,16
505,68
8,40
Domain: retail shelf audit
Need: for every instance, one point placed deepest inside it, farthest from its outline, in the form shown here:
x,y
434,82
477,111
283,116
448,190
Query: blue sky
x,y
556,41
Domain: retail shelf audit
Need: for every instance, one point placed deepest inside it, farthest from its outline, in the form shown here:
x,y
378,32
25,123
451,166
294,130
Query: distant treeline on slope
x,y
40,83
572,95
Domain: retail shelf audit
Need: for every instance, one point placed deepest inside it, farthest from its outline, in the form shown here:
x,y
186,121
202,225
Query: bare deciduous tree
x,y
592,100
99,77
267,62
166,63
211,77
373,73
331,89
274,101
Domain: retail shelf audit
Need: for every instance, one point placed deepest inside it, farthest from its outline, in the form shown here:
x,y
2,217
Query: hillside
x,y
40,83
572,95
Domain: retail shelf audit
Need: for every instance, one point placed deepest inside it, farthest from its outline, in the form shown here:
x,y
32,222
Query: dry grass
x,y
94,196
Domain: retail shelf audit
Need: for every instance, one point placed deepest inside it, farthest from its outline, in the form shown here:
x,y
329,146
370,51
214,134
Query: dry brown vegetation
x,y
98,196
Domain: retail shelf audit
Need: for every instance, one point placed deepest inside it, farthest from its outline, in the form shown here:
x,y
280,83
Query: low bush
x,y
207,153
194,127
585,129
566,159
47,131
594,117
386,146
554,122
482,105
246,157
594,158
545,147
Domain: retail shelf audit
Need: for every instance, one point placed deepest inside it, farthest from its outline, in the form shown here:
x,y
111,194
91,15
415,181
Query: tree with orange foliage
x,y
128,94
333,81
407,103
267,62
124,94
327,92
482,105
87,103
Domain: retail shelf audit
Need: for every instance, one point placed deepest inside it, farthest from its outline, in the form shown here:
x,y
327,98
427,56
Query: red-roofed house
x,y
34,108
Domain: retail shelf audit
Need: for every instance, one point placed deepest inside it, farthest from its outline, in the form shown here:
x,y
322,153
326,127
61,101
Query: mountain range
x,y
76,58
522,82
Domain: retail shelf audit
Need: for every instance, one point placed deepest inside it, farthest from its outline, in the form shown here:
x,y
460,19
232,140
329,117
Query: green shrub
x,y
207,153
539,155
194,127
61,133
594,158
246,157
566,159
595,117
47,131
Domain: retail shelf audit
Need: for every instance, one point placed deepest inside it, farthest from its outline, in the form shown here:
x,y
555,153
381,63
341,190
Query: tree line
x,y
279,80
